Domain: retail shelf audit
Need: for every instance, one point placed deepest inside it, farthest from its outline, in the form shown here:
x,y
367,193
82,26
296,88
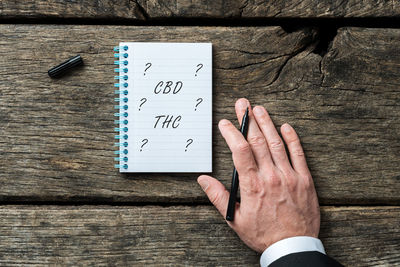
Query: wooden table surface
x,y
330,69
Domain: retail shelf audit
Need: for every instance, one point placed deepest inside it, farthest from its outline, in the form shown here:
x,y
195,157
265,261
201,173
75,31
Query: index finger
x,y
241,153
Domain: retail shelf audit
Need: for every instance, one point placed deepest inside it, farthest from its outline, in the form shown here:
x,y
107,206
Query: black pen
x,y
235,176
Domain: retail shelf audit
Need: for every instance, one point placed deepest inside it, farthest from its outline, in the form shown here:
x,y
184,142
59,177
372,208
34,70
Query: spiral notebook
x,y
164,107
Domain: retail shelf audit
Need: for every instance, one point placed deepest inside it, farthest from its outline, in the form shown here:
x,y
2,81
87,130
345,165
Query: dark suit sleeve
x,y
306,259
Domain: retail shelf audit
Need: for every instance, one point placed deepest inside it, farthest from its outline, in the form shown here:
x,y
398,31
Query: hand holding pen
x,y
278,198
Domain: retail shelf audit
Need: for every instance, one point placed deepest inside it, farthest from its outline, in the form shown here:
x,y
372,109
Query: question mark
x,y
199,66
148,65
144,141
189,142
143,100
199,100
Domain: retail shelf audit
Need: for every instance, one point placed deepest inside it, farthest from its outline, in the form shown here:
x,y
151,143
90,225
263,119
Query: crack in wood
x,y
241,8
310,46
142,11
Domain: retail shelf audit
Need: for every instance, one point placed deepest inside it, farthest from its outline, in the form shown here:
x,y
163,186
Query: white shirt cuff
x,y
288,246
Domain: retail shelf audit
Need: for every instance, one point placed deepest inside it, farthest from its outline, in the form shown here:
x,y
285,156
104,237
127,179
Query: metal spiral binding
x,y
122,107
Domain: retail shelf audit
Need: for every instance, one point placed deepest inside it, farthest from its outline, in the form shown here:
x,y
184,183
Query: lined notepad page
x,y
169,107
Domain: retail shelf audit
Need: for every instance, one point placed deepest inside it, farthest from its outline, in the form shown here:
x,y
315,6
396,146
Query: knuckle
x,y
252,187
262,193
256,140
243,147
298,152
251,170
276,145
216,198
250,190
274,180
291,182
308,183
261,190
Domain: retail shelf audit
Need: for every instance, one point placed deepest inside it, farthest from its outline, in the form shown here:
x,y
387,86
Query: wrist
x,y
288,246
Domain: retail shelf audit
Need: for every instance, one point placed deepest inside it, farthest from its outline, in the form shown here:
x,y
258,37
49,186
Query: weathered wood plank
x,y
84,9
164,9
177,236
56,137
320,9
158,9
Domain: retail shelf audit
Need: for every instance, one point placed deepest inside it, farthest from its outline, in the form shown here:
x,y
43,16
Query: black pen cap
x,y
59,70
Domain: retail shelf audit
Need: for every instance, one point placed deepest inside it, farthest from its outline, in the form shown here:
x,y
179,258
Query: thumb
x,y
215,191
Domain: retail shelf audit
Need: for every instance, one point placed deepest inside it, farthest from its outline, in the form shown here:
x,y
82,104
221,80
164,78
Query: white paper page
x,y
168,82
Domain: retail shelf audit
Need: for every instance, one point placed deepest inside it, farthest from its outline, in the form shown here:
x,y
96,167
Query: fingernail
x,y
203,183
286,128
258,110
242,103
223,122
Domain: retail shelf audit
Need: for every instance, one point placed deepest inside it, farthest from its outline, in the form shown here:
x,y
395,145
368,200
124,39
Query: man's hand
x,y
278,198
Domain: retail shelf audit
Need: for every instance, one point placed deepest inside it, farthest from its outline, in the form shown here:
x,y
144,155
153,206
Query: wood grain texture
x,y
164,9
176,236
320,9
84,9
159,9
56,138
